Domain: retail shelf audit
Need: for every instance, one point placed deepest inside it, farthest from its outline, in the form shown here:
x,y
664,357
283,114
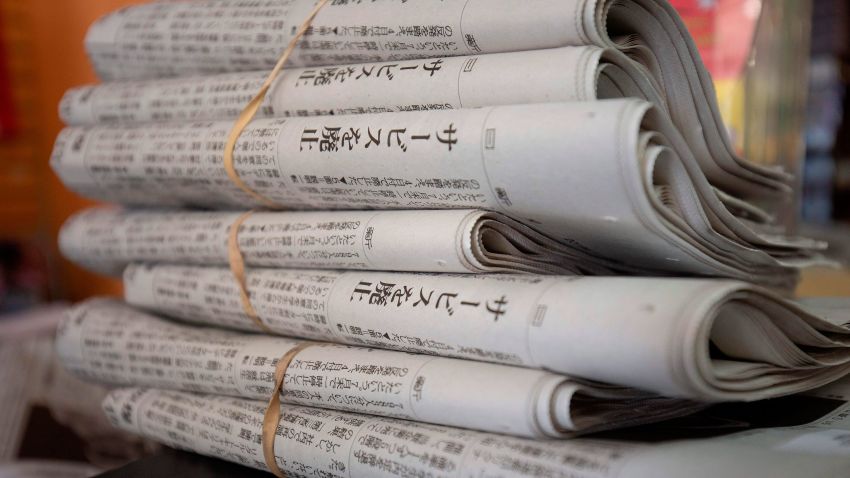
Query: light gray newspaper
x,y
106,341
610,177
541,76
708,340
214,36
317,442
453,240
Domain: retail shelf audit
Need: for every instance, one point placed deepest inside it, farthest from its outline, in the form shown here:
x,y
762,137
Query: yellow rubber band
x,y
253,106
237,268
234,254
271,418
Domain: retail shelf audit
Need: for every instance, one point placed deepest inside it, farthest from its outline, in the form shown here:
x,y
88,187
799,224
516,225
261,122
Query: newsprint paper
x,y
214,36
109,342
450,240
542,76
318,442
601,175
692,338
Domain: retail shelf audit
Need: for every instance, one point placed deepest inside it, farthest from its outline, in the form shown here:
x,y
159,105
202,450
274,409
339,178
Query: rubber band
x,y
237,268
271,418
253,106
234,255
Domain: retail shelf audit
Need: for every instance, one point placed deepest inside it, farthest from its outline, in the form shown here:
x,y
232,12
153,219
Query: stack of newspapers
x,y
480,228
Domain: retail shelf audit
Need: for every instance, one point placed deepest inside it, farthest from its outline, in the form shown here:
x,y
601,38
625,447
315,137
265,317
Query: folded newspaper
x,y
214,36
561,74
541,76
456,240
108,342
702,339
610,177
317,442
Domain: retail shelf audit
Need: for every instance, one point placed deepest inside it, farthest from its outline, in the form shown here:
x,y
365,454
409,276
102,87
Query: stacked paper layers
x,y
319,441
110,342
649,182
420,155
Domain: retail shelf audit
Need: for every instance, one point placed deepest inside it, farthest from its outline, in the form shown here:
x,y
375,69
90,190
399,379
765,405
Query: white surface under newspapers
x,y
109,342
701,339
600,175
451,240
316,442
191,38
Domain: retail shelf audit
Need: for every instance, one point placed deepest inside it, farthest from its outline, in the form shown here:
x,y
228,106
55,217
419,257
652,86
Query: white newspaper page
x,y
109,342
650,334
637,201
215,36
833,309
541,76
316,442
456,240
190,38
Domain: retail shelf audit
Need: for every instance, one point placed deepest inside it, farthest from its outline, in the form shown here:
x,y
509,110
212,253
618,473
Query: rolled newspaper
x,y
456,240
109,342
707,340
613,177
214,36
561,74
317,442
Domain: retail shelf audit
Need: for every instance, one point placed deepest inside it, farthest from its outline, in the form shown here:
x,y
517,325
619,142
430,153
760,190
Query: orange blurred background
x,y
42,42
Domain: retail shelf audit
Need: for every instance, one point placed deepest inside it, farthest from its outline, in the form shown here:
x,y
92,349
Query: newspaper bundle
x,y
213,36
108,342
457,240
559,138
702,339
317,442
561,74
611,177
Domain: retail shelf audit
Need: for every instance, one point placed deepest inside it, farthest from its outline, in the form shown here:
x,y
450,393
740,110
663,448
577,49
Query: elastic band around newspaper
x,y
272,416
237,268
253,106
